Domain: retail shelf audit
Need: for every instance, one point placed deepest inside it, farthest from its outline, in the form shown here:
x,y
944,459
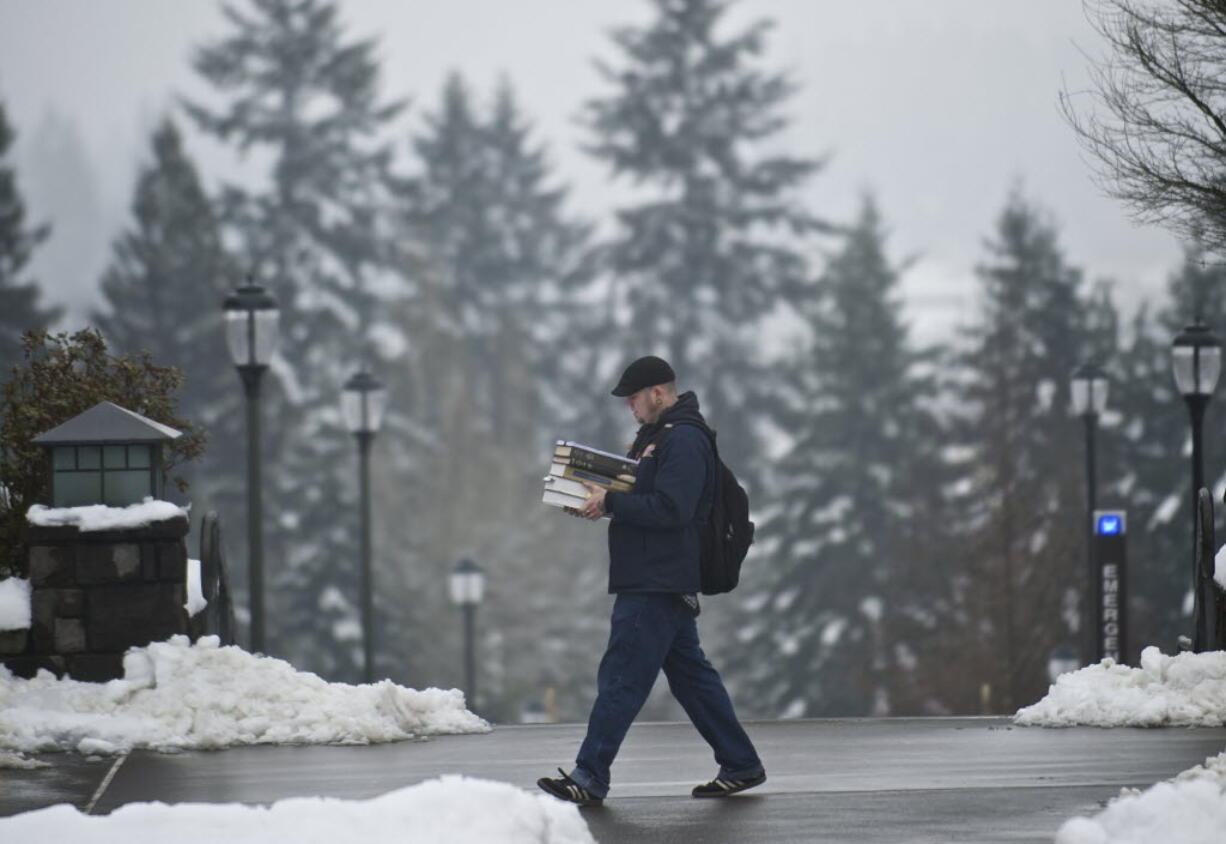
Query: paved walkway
x,y
862,780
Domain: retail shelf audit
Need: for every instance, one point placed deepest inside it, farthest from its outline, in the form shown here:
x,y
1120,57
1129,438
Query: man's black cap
x,y
644,372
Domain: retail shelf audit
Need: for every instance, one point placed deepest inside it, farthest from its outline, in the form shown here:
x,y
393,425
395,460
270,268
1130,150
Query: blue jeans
x,y
649,632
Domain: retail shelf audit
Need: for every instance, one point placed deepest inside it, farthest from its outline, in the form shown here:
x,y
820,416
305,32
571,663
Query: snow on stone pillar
x,y
102,580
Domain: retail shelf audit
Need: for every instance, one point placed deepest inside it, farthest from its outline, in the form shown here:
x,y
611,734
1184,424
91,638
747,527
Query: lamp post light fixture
x,y
467,586
106,455
251,334
1089,390
363,400
1196,357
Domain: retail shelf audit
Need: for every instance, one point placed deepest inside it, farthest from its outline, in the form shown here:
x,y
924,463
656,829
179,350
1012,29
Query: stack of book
x,y
574,463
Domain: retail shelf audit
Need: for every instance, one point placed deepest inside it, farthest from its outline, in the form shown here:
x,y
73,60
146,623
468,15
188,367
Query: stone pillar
x,y
94,595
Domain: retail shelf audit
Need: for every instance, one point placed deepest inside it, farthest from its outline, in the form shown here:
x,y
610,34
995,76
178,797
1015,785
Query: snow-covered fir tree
x,y
707,246
1022,551
492,220
20,309
294,88
162,293
485,392
841,617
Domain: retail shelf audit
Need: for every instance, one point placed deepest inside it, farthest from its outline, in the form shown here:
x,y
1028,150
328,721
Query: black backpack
x,y
727,534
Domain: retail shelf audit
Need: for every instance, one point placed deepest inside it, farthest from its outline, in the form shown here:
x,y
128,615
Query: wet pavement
x,y
67,778
863,780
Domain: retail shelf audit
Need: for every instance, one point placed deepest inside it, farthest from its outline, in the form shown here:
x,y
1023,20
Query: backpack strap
x,y
707,432
716,473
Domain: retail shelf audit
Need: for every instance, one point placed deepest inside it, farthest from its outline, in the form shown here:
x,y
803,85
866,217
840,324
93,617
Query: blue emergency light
x,y
1109,584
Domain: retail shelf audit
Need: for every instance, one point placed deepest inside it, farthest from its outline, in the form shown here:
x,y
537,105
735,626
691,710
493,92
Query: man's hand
x,y
593,508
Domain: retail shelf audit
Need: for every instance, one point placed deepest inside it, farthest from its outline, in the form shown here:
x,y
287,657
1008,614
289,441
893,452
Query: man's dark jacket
x,y
654,539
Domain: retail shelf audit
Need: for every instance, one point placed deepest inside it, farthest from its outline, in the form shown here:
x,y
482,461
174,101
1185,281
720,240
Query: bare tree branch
x,y
1155,123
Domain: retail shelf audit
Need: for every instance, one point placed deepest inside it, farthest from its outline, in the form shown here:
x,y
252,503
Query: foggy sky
x,y
936,106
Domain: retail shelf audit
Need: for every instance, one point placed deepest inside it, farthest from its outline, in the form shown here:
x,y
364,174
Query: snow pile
x,y
1190,809
1188,690
449,810
14,604
17,760
175,695
100,517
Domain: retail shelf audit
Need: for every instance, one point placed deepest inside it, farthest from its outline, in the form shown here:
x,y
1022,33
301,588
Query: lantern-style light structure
x,y
1090,388
252,326
107,455
466,584
363,400
1196,358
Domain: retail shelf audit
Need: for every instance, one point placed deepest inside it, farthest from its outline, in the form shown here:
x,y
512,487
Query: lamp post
x,y
1089,394
363,399
467,585
1196,357
251,334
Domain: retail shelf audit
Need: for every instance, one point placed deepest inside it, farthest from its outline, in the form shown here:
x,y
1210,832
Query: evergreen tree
x,y
482,390
708,249
496,230
20,310
163,293
850,591
297,90
1023,469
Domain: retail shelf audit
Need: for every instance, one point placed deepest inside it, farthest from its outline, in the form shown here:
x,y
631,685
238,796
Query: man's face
x,y
646,405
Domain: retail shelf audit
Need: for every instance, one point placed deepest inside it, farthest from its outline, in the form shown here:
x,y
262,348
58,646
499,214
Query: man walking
x,y
654,546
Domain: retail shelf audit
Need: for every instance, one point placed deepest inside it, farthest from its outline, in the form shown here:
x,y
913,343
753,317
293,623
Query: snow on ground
x,y
449,810
14,604
17,760
1190,809
1187,690
1184,690
100,517
175,695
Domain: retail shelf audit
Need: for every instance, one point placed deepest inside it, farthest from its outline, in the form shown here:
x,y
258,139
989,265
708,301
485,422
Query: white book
x,y
566,485
562,499
570,503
